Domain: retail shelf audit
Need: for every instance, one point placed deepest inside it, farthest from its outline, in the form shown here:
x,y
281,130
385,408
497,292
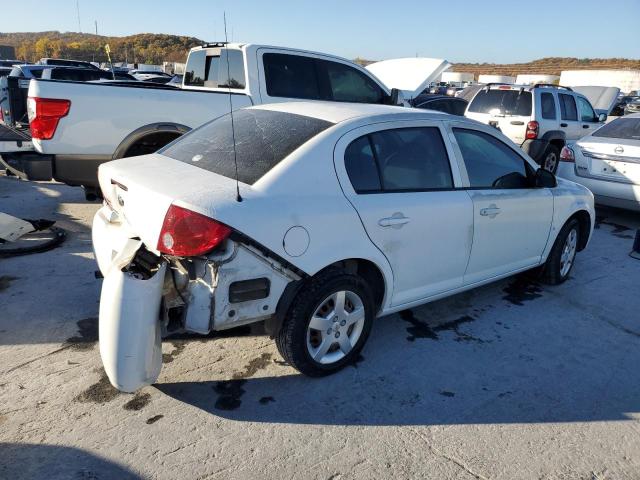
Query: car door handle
x,y
490,211
517,122
564,125
396,221
585,126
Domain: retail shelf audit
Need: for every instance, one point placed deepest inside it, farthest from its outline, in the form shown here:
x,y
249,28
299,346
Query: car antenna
x,y
233,130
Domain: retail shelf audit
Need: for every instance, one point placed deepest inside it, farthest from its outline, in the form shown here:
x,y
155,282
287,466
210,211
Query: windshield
x,y
505,102
627,128
263,139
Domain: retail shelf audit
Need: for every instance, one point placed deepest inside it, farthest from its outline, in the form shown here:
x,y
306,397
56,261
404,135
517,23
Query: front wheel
x,y
563,254
327,324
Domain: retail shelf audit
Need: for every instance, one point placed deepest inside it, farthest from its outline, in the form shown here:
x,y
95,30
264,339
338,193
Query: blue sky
x,y
476,31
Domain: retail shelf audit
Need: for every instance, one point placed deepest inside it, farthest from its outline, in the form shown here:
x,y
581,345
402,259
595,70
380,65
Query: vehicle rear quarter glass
x,y
263,138
223,75
507,102
624,128
568,109
547,106
195,72
361,166
488,160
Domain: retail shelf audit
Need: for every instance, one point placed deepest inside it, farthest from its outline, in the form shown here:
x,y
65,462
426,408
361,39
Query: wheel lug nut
x,y
337,334
329,332
343,323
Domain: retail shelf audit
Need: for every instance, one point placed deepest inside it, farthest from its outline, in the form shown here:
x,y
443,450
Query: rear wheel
x,y
550,159
563,254
328,324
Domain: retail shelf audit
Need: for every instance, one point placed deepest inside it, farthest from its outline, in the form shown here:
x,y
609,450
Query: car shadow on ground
x,y
25,460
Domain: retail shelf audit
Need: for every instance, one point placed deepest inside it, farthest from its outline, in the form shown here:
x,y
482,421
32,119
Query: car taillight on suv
x,y
567,155
44,115
186,233
532,130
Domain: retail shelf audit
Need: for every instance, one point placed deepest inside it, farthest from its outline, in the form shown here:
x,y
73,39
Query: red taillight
x,y
567,155
187,233
532,130
44,115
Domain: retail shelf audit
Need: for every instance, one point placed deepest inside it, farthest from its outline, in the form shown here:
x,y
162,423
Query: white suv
x,y
539,118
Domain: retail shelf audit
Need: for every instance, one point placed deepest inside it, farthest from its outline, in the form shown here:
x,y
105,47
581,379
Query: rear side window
x,y
350,85
506,102
548,106
624,127
263,139
291,76
568,109
490,163
404,159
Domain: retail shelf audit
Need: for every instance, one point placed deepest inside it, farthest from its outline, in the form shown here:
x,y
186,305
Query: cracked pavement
x,y
512,380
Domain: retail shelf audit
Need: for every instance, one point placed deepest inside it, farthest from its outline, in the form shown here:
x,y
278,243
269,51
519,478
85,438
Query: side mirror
x,y
545,179
602,117
396,98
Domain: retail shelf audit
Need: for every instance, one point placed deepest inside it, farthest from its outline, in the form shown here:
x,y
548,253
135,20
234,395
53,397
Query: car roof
x,y
336,112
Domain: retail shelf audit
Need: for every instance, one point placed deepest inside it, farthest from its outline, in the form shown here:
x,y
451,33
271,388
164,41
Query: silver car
x,y
607,162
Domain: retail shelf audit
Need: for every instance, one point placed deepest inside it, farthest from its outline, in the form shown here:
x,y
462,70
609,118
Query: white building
x,y
625,80
496,79
533,78
457,78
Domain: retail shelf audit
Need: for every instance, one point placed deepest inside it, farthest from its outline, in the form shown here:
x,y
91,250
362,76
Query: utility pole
x,y
96,23
78,12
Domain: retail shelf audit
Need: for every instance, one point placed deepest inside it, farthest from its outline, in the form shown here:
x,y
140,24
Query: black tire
x,y
550,159
552,273
291,339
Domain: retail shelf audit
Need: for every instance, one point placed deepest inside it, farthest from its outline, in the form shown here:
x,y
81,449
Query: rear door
x,y
505,107
400,180
511,219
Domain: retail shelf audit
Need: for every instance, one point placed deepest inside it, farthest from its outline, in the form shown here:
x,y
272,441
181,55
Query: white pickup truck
x,y
76,126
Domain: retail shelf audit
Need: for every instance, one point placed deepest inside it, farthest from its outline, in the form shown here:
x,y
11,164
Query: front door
x,y
401,183
511,218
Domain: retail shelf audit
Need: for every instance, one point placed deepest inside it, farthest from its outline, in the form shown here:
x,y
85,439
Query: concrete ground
x,y
513,380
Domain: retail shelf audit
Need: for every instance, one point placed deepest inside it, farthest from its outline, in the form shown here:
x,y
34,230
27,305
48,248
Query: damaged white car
x,y
316,218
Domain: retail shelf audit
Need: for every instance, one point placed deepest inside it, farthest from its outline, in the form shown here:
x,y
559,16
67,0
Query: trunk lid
x,y
140,190
605,159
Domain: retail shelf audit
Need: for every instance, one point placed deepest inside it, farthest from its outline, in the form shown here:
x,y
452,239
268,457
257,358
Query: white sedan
x,y
607,162
317,219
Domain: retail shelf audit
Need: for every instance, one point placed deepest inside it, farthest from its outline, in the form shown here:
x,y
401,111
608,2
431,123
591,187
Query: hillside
x,y
549,65
141,48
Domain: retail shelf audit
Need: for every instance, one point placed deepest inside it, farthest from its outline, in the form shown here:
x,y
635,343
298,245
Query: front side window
x,y
291,76
263,138
490,163
350,85
586,110
568,109
404,159
548,106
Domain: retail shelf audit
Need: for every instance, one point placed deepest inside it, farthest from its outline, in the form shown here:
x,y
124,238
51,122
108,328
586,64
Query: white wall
x,y
456,77
533,78
625,80
496,79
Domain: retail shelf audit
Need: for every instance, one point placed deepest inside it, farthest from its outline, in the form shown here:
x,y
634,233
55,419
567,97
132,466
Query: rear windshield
x,y
506,102
628,128
263,139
